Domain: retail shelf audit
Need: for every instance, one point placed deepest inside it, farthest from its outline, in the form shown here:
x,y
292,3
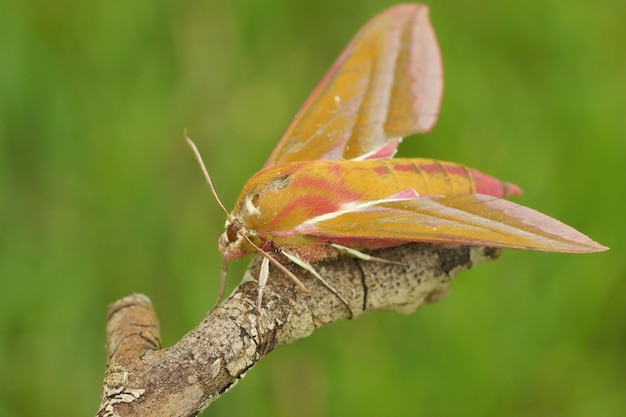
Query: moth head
x,y
236,240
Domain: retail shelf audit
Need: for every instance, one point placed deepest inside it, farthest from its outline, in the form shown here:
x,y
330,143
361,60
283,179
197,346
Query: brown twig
x,y
142,379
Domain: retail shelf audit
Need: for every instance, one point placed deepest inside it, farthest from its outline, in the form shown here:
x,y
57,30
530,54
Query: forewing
x,y
386,85
474,219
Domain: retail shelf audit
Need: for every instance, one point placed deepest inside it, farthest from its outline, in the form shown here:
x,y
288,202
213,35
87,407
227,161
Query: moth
x,y
331,184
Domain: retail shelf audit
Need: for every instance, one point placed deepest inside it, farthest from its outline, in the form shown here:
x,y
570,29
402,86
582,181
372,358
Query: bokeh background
x,y
100,197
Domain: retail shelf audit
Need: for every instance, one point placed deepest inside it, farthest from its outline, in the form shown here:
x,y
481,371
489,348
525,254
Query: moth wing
x,y
385,85
473,219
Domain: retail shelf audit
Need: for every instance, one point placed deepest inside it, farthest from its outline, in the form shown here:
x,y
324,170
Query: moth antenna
x,y
207,177
220,295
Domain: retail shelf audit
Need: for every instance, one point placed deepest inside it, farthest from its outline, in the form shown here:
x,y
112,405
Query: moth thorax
x,y
251,205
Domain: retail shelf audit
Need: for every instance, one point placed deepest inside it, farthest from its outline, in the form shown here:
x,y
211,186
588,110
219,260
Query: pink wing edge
x,y
389,148
542,231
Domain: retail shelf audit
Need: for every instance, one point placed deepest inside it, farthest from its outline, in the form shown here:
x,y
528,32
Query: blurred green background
x,y
100,197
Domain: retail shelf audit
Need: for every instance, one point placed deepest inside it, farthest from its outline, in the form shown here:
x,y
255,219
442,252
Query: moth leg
x,y
307,266
265,272
263,275
361,255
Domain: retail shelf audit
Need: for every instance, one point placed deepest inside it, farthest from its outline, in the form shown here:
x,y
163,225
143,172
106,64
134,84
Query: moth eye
x,y
232,231
255,200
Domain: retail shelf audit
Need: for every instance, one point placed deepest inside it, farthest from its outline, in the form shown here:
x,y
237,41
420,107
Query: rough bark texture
x,y
143,379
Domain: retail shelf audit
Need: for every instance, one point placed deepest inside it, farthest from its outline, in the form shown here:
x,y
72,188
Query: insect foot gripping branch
x,y
331,180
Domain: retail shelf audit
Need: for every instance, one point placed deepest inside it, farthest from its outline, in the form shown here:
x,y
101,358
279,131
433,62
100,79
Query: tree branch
x,y
142,379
